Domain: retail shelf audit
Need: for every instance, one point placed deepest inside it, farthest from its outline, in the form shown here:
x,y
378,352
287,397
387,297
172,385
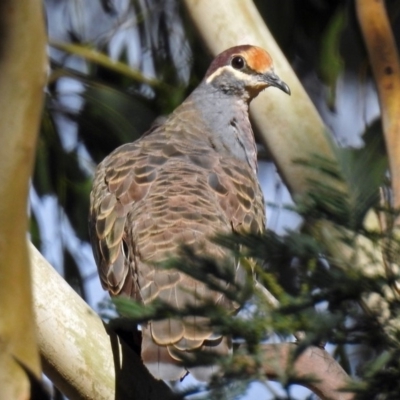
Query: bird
x,y
192,176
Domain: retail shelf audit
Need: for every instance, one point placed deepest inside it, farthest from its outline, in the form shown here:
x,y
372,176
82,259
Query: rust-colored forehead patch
x,y
256,57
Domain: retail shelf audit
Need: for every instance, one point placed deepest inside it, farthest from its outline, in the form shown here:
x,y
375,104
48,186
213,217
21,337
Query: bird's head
x,y
244,71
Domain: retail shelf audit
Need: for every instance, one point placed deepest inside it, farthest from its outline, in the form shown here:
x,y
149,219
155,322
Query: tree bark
x,y
79,355
22,79
384,58
328,377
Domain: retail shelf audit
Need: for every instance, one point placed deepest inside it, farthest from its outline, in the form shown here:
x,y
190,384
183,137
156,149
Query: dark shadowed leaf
x,y
34,230
72,274
110,118
49,155
331,64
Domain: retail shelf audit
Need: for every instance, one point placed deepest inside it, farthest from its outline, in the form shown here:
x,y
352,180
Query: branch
x,y
105,61
382,50
78,354
73,343
329,377
22,79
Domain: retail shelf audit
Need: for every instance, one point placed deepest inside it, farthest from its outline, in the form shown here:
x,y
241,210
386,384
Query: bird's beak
x,y
273,80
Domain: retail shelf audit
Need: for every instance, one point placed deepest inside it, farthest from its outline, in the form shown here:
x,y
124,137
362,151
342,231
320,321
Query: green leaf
x,y
34,231
72,273
360,171
331,64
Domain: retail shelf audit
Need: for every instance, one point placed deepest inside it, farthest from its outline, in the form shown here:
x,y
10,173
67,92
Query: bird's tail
x,y
166,362
158,360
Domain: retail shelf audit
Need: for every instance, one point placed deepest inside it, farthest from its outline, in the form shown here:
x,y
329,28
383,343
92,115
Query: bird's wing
x,y
240,197
121,180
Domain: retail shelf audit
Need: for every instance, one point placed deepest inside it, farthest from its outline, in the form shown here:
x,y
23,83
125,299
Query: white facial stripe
x,y
237,73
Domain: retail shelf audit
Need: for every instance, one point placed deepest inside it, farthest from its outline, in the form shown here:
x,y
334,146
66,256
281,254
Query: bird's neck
x,y
224,123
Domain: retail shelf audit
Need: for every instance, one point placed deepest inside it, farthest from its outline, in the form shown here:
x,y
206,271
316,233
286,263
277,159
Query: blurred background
x,y
116,65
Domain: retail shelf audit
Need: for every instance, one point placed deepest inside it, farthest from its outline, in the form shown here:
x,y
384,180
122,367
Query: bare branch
x,y
73,343
384,58
78,354
22,79
328,376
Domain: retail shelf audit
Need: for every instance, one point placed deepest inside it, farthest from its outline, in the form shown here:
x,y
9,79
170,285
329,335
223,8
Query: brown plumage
x,y
184,181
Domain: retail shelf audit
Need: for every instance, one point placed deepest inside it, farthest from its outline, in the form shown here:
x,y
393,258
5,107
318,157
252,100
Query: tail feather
x,y
158,360
188,344
167,362
221,346
167,331
197,328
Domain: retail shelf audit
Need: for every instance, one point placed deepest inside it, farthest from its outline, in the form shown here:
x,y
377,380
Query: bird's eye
x,y
238,62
